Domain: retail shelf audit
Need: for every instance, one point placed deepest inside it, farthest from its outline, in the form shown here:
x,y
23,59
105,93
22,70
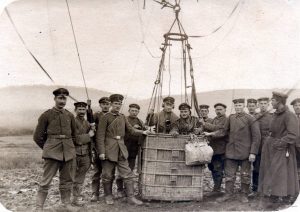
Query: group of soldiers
x,y
264,145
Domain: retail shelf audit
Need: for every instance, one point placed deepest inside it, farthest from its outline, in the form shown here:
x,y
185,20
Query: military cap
x,y
235,101
61,91
135,106
80,104
116,98
251,101
263,99
203,106
295,101
279,94
220,104
104,100
169,100
184,106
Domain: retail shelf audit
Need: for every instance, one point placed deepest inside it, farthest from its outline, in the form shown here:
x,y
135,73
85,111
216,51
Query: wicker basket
x,y
163,173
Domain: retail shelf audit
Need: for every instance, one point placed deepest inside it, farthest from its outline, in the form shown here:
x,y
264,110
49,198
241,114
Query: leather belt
x,y
59,136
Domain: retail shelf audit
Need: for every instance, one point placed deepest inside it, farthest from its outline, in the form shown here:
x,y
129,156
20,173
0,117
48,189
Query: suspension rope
x,y
76,45
31,54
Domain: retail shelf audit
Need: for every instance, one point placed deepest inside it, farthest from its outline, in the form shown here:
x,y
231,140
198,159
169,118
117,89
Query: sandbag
x,y
197,152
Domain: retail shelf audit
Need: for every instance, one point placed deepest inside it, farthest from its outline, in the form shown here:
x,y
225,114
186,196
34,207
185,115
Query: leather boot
x,y
108,193
130,194
40,200
120,188
245,192
65,196
229,189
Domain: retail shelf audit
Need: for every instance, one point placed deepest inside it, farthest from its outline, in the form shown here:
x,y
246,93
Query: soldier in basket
x,y
164,120
241,150
132,143
204,111
218,144
112,150
186,124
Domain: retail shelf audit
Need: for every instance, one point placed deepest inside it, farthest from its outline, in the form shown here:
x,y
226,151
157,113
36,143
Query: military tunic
x,y
244,139
218,145
186,126
278,171
55,134
298,149
110,141
159,121
83,153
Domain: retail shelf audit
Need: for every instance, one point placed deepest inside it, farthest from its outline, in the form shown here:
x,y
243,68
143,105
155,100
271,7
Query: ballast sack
x,y
197,152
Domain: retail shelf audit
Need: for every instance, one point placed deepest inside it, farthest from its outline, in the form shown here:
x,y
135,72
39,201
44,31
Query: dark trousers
x,y
66,174
96,176
231,168
255,173
83,163
217,170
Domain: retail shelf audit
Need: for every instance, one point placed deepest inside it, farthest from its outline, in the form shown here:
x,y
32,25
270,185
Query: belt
x,y
59,136
117,137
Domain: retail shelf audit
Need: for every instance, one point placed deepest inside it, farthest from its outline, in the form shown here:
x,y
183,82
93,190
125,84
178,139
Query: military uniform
x,y
244,139
297,100
186,126
83,154
110,142
264,120
163,121
218,145
55,134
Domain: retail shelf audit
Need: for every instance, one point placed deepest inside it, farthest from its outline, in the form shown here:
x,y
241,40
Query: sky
x,y
258,46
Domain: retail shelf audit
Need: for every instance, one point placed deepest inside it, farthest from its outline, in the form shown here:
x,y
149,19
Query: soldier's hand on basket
x,y
174,133
146,132
102,156
252,158
207,133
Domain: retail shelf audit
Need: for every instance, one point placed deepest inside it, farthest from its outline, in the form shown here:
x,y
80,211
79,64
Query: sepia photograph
x,y
149,105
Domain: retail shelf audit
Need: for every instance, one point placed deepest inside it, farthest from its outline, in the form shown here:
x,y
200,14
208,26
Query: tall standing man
x,y
55,134
132,142
104,104
112,150
164,120
296,106
84,134
264,118
252,106
241,150
218,144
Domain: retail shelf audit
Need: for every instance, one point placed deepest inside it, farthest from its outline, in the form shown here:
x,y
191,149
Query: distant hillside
x,y
22,105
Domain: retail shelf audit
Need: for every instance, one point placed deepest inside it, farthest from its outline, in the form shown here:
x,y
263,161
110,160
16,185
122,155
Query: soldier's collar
x,y
281,110
114,113
58,110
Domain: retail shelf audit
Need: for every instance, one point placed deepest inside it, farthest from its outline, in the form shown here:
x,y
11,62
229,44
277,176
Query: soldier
x,y
296,106
204,111
242,148
186,124
132,143
252,106
84,132
104,104
55,134
264,120
164,120
112,150
218,144
278,176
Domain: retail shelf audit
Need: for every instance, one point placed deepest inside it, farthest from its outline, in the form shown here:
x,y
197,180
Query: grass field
x,y
21,170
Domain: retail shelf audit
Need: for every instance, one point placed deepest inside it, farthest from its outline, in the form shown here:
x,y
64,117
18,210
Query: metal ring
x,y
175,36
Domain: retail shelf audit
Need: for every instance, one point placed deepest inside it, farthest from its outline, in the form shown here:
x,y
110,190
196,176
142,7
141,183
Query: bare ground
x,y
18,187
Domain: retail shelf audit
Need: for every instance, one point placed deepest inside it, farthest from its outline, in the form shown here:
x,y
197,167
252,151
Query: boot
x,y
108,193
229,188
245,192
215,192
120,188
95,197
40,200
130,194
65,196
